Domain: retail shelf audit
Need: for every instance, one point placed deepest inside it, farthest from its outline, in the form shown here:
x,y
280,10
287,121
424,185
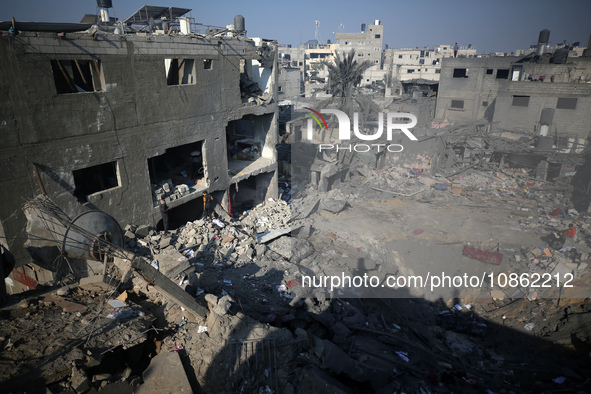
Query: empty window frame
x,y
460,73
76,76
399,56
503,73
410,71
485,103
180,72
457,104
566,103
520,101
422,61
95,179
489,71
438,71
378,35
207,64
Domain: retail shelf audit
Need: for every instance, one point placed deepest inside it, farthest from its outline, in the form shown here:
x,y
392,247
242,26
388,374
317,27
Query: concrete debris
x,y
242,318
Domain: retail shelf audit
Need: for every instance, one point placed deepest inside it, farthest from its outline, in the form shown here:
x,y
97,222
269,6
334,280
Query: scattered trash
x,y
201,329
529,326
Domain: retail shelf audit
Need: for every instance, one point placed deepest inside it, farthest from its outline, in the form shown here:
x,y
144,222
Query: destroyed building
x,y
222,305
115,117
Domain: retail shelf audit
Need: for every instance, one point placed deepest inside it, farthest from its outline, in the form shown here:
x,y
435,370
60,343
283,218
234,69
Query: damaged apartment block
x,y
128,111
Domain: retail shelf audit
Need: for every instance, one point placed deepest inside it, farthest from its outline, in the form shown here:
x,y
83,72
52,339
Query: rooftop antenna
x,y
341,28
316,34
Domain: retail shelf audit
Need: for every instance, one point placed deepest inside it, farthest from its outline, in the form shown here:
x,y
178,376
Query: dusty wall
x,y
135,117
477,89
574,122
289,81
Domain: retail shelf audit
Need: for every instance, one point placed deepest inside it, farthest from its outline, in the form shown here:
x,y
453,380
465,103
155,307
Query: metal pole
x,y
39,179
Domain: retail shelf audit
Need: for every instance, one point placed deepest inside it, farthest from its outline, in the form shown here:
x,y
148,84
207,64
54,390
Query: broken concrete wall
x,y
133,116
426,153
262,75
289,83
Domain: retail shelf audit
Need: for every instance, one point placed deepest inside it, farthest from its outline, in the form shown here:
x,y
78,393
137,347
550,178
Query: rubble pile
x,y
266,332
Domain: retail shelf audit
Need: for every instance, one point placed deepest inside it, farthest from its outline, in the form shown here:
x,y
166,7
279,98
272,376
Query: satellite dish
x,y
90,235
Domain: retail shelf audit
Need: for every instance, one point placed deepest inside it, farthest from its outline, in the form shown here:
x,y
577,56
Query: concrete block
x,y
165,375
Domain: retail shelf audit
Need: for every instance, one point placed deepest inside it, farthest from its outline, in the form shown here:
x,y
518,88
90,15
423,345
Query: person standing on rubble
x,y
456,48
164,212
207,201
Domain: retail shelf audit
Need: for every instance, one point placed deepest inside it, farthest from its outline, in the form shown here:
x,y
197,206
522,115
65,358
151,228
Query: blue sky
x,y
490,25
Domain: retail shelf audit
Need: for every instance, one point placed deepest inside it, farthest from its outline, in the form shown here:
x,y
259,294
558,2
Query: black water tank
x,y
239,23
363,27
560,56
544,36
104,3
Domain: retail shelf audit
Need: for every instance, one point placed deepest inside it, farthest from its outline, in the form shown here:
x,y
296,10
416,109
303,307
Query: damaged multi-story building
x,y
535,109
113,116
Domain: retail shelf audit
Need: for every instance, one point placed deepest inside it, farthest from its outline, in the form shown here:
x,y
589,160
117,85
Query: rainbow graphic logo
x,y
316,118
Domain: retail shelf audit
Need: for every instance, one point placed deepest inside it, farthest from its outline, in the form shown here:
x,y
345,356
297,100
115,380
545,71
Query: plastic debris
x,y
201,329
124,313
403,355
177,347
529,326
219,223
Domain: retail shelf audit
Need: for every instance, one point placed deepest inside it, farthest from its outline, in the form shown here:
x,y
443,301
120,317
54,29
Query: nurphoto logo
x,y
394,121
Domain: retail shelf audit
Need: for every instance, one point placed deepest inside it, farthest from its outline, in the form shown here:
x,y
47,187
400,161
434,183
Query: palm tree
x,y
346,73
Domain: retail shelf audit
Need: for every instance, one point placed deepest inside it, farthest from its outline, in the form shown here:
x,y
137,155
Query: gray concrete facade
x,y
133,115
513,93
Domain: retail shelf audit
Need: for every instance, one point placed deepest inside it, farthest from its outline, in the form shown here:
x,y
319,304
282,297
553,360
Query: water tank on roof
x,y
239,23
560,56
544,36
377,22
363,27
104,3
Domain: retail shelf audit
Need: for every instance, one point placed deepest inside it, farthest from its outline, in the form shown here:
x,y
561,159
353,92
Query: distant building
x,y
534,95
419,67
311,56
368,46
